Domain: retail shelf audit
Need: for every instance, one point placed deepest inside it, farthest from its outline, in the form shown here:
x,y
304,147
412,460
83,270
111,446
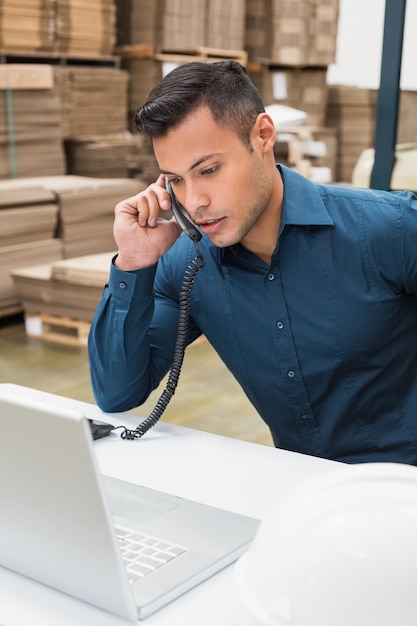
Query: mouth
x,y
210,226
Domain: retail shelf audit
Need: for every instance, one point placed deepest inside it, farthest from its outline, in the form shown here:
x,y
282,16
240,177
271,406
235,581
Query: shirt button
x,y
122,285
280,325
304,416
271,276
290,374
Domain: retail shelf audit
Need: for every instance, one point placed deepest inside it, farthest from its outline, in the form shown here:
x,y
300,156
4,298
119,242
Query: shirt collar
x,y
302,204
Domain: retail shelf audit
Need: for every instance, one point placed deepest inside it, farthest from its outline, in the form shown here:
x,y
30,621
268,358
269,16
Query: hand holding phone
x,y
182,216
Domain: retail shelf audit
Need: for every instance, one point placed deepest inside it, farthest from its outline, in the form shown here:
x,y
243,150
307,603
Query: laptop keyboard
x,y
143,554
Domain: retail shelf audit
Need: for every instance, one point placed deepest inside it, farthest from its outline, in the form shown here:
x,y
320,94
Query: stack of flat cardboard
x,y
352,112
323,32
85,28
30,122
28,222
70,288
407,126
105,156
25,25
292,32
139,22
182,25
87,214
225,24
93,100
66,26
86,208
144,75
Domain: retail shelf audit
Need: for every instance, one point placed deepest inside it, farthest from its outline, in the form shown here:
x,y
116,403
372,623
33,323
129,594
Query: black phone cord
x,y
184,313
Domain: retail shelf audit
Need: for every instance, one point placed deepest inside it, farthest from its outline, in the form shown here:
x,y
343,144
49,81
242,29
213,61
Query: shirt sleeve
x,y
408,250
126,364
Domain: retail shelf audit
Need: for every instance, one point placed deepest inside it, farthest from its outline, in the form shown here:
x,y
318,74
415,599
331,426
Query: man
x,y
308,292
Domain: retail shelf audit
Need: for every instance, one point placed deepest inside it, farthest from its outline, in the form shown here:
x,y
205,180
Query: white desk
x,y
236,475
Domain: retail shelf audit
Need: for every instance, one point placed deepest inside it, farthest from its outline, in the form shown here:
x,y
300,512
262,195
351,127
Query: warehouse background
x,y
359,45
72,75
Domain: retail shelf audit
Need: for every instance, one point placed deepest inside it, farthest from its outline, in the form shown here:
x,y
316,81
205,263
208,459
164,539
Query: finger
x,y
148,207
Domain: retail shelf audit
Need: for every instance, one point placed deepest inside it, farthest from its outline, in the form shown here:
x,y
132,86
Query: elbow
x,y
112,403
111,398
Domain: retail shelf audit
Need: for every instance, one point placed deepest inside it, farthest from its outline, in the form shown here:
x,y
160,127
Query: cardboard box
x,y
292,32
70,288
19,255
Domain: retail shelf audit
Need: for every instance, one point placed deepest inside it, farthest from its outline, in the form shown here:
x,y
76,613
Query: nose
x,y
195,198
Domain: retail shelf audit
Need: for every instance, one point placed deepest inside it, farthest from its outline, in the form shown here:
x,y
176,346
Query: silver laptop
x,y
127,549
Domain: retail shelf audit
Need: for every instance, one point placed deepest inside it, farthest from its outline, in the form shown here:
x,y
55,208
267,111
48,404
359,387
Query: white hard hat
x,y
339,550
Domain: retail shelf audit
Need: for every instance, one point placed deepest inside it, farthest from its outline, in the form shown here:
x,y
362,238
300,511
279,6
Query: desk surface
x,y
240,476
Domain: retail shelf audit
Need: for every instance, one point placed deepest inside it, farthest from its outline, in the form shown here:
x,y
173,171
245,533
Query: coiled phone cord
x,y
184,313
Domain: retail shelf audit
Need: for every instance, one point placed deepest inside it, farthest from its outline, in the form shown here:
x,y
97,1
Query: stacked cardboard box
x,y
93,100
30,122
85,28
28,223
292,32
25,25
86,208
139,22
71,288
87,213
144,75
105,156
300,88
65,26
351,111
225,24
323,32
182,25
407,123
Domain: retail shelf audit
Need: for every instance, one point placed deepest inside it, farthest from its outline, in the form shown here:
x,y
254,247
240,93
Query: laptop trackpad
x,y
138,508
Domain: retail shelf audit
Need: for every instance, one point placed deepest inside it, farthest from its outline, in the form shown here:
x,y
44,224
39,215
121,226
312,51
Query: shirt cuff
x,y
128,285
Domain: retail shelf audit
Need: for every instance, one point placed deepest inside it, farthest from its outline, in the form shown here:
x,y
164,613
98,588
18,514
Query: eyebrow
x,y
204,158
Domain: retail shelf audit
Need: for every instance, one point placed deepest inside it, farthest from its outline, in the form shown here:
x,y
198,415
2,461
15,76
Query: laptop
x,y
66,526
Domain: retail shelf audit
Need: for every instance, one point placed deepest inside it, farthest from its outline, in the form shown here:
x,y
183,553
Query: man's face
x,y
223,183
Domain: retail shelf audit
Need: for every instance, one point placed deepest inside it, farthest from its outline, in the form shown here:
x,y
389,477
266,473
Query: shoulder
x,y
371,204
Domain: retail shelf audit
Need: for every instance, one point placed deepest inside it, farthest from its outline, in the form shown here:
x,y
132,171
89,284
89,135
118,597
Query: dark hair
x,y
223,86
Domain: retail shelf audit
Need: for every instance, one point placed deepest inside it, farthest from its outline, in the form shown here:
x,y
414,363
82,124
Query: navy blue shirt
x,y
323,340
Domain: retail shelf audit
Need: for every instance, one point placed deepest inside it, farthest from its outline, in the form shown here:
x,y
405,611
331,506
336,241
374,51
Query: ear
x,y
264,128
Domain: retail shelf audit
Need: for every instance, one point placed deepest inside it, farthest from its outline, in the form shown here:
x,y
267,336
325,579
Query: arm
x,y
128,355
127,358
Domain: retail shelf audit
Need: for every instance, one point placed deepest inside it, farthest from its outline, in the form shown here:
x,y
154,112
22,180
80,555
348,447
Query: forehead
x,y
196,137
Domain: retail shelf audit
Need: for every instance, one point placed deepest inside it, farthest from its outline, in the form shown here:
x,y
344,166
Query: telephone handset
x,y
188,226
182,216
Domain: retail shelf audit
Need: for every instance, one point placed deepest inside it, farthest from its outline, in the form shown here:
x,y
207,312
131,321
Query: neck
x,y
262,239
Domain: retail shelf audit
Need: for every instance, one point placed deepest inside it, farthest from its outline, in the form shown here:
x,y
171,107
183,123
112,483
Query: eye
x,y
175,180
209,170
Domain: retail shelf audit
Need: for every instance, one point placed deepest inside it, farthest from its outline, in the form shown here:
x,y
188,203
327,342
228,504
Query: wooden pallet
x,y
135,51
10,311
201,53
57,329
65,330
57,58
